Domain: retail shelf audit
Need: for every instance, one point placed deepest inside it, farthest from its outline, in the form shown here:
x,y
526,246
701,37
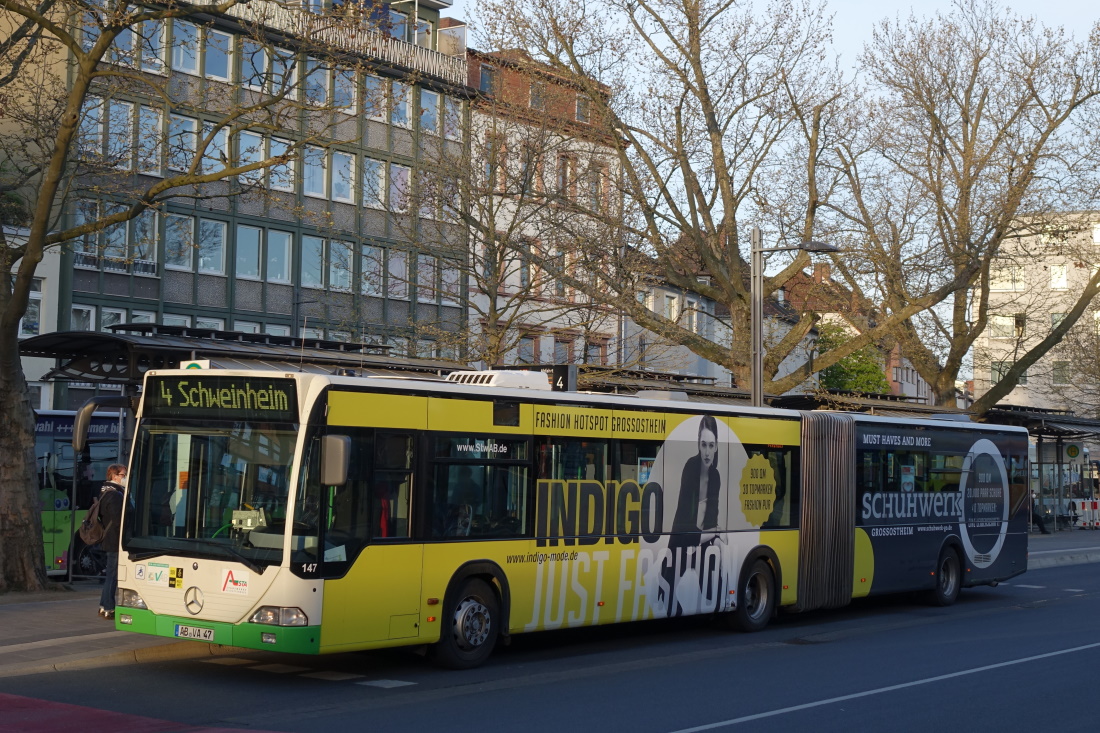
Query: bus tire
x,y
755,598
471,628
948,579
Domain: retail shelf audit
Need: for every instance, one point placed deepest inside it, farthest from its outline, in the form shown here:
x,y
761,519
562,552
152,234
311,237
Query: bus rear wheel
x,y
948,579
471,627
755,598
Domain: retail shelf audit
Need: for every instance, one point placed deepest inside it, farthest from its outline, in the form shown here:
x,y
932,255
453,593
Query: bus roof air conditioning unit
x,y
514,378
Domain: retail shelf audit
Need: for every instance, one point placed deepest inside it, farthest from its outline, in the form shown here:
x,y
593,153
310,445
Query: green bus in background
x,y
56,463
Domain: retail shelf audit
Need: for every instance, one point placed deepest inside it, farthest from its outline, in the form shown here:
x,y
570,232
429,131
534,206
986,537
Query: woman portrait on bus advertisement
x,y
695,527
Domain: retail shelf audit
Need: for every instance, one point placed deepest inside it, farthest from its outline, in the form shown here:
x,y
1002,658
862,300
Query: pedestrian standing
x,y
111,497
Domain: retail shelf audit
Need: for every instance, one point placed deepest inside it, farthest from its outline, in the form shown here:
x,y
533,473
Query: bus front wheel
x,y
471,626
755,598
948,579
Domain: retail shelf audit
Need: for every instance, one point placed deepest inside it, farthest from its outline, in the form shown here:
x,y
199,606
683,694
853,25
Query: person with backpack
x,y
111,496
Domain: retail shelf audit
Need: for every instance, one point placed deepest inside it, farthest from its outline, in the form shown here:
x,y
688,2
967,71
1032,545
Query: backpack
x,y
92,530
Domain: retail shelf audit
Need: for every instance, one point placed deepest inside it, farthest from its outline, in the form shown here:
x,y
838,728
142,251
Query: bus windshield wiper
x,y
248,562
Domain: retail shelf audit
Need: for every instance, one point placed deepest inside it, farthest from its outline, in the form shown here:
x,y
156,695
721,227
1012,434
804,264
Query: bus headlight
x,y
279,616
129,599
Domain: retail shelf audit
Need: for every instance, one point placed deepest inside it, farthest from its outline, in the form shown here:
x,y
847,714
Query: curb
x,y
176,651
1062,559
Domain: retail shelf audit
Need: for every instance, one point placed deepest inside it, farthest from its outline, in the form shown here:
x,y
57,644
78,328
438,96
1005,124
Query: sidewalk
x,y
58,629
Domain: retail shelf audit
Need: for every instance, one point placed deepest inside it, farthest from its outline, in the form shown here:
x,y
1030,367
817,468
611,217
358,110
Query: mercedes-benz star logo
x,y
192,600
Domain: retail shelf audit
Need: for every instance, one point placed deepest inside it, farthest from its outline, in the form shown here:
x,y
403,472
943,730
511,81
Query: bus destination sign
x,y
222,398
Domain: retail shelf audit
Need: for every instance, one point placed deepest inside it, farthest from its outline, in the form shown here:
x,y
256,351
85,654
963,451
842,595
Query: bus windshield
x,y
219,490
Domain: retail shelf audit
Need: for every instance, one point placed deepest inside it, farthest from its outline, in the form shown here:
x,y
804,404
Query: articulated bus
x,y
318,514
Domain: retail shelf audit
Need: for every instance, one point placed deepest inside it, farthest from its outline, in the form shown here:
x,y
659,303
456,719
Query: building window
x,y
173,319
282,175
670,307
179,241
182,141
567,173
1056,319
374,98
1060,374
399,188
152,46
246,327
218,57
250,150
143,317
398,274
89,139
399,109
343,90
313,172
563,352
999,369
149,141
343,177
584,109
316,82
311,333
279,256
538,95
313,258
527,353
211,246
185,47
275,330
216,154
374,183
248,252
1059,277
253,65
120,135
370,280
398,25
82,318
110,317
283,75
31,322
429,112
1004,276
487,83
451,285
594,352
340,265
214,324
452,118
596,192
1006,327
427,268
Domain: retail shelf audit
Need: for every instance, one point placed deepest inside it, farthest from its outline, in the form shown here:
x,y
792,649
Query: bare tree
x,y
99,133
970,144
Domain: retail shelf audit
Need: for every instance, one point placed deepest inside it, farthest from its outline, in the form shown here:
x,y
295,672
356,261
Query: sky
x,y
854,19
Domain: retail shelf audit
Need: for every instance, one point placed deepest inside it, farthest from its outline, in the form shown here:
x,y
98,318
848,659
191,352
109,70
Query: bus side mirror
x,y
335,451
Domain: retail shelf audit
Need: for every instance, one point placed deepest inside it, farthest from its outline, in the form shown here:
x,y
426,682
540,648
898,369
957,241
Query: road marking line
x,y
880,690
229,661
385,684
1061,552
1074,590
280,668
55,642
332,676
1033,587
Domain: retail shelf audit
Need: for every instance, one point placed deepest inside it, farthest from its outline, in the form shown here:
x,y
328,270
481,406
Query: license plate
x,y
194,632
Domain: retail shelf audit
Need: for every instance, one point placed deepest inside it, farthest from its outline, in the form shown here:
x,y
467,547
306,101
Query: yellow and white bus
x,y
317,514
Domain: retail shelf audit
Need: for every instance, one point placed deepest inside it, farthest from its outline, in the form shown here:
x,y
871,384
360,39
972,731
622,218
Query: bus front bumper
x,y
292,639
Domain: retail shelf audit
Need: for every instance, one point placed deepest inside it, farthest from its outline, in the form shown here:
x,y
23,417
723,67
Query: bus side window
x,y
391,485
784,463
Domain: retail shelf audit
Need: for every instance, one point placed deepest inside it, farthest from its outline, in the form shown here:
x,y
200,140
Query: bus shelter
x,y
104,371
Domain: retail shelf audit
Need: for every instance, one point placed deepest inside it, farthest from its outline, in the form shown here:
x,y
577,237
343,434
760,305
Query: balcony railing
x,y
350,33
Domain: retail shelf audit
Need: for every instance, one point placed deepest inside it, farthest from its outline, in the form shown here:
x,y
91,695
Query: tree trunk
x,y
22,555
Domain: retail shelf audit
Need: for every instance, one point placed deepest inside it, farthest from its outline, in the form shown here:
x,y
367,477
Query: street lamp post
x,y
756,293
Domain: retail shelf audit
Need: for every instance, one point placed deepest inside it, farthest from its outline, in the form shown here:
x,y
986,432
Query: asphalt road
x,y
1025,655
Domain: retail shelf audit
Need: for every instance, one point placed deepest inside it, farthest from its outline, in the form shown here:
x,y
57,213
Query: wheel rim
x,y
757,589
472,623
948,577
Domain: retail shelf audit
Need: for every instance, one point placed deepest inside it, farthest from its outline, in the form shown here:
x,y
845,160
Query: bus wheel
x,y
948,579
756,598
472,621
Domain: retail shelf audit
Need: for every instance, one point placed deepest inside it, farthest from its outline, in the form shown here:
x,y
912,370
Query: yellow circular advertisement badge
x,y
757,490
